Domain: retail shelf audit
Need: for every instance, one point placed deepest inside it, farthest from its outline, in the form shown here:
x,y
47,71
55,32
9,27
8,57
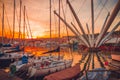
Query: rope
x,y
26,29
72,0
81,6
104,6
101,10
28,24
17,16
8,23
55,20
95,10
66,27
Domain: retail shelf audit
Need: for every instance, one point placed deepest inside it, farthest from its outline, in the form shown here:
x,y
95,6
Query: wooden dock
x,y
5,76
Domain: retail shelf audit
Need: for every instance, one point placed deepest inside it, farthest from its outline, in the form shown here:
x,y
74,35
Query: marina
x,y
60,40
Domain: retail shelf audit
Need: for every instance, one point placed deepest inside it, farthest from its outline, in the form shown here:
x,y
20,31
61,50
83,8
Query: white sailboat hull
x,y
44,71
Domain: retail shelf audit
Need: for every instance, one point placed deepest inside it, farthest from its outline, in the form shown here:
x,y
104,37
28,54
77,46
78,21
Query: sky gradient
x,y
38,13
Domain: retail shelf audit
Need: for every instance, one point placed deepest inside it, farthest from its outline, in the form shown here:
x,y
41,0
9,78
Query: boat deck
x,y
5,76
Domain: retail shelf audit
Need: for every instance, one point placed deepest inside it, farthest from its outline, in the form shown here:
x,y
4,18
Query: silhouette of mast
x,y
13,21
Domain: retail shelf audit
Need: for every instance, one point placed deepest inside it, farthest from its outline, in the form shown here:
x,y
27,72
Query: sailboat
x,y
9,55
53,65
41,66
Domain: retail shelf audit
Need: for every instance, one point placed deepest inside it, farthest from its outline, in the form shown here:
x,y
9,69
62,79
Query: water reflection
x,y
69,54
75,54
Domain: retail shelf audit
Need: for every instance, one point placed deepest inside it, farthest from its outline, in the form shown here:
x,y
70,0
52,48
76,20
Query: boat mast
x,y
92,15
3,25
59,20
24,27
50,19
20,21
59,29
13,21
50,24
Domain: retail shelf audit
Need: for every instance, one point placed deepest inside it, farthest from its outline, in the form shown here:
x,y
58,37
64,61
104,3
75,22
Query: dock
x,y
5,76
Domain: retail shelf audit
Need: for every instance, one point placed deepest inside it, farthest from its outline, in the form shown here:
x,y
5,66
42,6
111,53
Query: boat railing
x,y
66,63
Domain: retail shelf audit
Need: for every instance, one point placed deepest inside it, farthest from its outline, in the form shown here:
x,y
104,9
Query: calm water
x,y
69,54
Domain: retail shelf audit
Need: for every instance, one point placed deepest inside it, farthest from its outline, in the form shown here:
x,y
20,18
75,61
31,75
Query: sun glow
x,y
37,34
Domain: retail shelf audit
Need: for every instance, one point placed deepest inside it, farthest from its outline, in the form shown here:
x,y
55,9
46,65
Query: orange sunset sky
x,y
38,13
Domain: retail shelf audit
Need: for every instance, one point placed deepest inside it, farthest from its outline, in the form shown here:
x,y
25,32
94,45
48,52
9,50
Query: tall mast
x,y
59,30
24,27
50,18
3,25
92,15
59,20
20,21
13,21
50,23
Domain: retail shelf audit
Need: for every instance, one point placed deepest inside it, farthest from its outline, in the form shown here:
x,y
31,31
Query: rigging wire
x,y
28,24
95,10
55,19
101,10
72,0
105,6
8,23
1,20
26,29
81,6
66,26
27,21
17,17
